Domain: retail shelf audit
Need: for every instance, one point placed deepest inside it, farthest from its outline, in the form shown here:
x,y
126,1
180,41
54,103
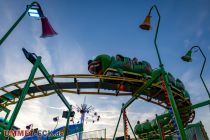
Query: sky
x,y
89,28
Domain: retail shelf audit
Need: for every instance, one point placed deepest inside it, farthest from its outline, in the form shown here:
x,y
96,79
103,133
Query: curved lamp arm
x,y
204,62
156,33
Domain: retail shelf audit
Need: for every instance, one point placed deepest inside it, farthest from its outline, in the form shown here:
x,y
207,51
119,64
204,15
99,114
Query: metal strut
x,y
170,108
32,57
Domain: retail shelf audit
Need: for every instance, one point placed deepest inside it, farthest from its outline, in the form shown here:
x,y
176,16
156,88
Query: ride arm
x,y
32,58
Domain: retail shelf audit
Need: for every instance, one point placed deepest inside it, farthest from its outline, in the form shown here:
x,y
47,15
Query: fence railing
x,y
89,135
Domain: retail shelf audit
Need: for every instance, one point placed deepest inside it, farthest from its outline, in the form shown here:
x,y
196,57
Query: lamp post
x,y
146,26
34,10
67,115
187,58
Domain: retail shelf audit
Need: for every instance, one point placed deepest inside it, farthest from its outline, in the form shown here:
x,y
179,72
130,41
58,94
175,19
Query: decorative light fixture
x,y
188,58
34,10
146,24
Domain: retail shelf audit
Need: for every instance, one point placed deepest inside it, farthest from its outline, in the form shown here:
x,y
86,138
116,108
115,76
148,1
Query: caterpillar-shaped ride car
x,y
124,66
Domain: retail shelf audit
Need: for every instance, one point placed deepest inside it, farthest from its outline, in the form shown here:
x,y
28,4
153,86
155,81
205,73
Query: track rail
x,y
83,84
94,85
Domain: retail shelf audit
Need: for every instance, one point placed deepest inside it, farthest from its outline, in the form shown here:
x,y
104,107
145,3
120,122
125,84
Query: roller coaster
x,y
111,76
149,88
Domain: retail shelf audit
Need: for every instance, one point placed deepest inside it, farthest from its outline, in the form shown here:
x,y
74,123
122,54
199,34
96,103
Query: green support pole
x,y
198,105
195,106
31,57
159,127
58,91
201,104
119,122
156,74
37,65
165,77
23,94
67,124
52,82
105,134
117,125
16,23
174,107
131,128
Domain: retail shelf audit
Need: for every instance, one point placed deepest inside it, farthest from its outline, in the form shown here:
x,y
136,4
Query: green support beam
x,y
155,75
165,78
117,125
173,105
49,78
198,105
59,93
201,104
22,97
23,94
56,88
195,106
67,124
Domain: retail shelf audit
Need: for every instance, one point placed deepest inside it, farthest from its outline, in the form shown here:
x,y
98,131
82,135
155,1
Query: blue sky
x,y
89,28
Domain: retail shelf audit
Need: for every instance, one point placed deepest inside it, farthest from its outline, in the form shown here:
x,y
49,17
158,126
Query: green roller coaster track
x,y
145,89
